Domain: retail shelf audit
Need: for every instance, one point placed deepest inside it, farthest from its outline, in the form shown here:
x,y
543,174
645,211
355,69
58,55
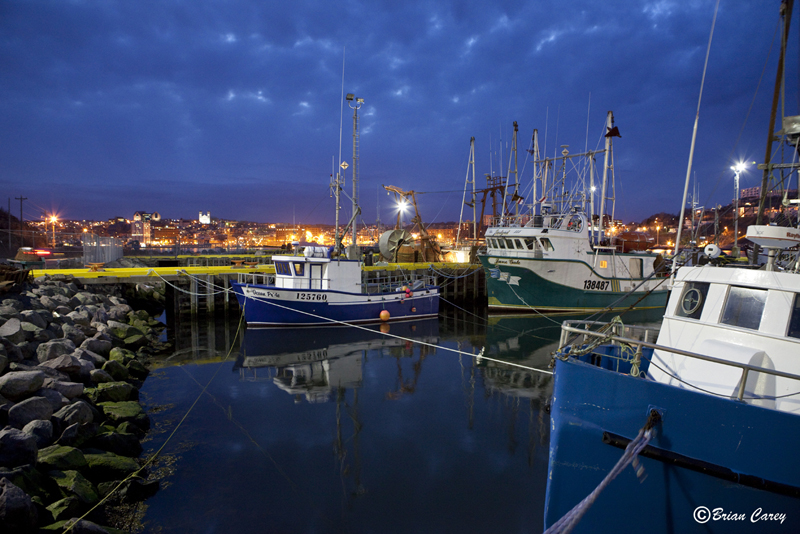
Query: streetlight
x,y
53,220
737,169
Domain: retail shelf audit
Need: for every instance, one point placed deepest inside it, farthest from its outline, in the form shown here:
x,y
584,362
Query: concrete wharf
x,y
199,285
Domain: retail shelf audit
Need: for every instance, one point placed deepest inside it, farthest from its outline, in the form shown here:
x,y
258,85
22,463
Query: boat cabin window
x,y
282,267
518,244
299,268
529,243
794,321
575,223
692,300
502,243
744,307
546,244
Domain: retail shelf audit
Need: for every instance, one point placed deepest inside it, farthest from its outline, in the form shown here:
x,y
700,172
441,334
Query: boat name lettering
x,y
602,285
312,296
262,293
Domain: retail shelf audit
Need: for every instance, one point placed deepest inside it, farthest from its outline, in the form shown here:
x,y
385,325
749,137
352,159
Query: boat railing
x,y
393,281
638,344
256,278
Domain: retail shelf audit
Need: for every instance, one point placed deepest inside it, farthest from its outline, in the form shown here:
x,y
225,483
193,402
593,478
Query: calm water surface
x,y
346,430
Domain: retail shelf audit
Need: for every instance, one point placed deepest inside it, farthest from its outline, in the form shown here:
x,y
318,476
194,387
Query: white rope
x,y
571,518
478,357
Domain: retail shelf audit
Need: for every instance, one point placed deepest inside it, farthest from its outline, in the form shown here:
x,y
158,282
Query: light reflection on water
x,y
345,430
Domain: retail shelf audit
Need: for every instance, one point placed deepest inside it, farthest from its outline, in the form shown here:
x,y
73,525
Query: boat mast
x,y
535,152
786,13
602,210
694,138
471,164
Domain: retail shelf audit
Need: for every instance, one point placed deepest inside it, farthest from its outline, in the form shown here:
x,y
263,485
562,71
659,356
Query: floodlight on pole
x,y
737,169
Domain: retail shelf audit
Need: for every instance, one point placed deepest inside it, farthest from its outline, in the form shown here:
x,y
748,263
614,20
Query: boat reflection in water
x,y
313,363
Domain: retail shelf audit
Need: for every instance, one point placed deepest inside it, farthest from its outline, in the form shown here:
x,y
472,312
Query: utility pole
x,y
21,222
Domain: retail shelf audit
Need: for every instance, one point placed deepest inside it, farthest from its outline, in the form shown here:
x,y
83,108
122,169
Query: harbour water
x,y
354,430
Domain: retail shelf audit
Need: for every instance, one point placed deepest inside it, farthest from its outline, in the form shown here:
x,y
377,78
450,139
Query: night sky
x,y
233,107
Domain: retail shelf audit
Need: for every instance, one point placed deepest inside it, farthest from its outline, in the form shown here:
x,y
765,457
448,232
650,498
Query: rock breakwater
x,y
71,365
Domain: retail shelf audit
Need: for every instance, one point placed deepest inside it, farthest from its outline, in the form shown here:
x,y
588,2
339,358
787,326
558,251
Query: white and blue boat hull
x,y
715,464
265,305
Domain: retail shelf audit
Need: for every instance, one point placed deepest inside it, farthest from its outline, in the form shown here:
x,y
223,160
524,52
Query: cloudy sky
x,y
233,106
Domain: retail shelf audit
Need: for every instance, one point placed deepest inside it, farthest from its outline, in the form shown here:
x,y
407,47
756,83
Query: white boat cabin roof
x,y
740,315
312,268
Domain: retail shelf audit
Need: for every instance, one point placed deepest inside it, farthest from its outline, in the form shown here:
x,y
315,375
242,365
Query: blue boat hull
x,y
281,307
715,465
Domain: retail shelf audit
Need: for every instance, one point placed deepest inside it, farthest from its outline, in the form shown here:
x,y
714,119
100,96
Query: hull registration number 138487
x,y
601,285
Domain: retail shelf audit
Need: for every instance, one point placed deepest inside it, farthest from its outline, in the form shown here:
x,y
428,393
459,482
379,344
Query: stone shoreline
x,y
71,365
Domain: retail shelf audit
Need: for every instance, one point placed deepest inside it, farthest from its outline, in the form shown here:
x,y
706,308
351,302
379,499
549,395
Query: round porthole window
x,y
691,301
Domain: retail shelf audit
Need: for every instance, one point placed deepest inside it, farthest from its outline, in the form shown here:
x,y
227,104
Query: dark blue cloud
x,y
234,107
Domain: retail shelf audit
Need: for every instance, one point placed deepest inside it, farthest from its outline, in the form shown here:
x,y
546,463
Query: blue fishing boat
x,y
719,393
709,414
312,289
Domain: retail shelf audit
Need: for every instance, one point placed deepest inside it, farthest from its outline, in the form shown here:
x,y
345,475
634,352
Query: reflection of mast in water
x,y
469,388
408,386
322,364
339,446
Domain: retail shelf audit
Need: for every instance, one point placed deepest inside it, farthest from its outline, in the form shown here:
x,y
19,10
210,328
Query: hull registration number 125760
x,y
312,296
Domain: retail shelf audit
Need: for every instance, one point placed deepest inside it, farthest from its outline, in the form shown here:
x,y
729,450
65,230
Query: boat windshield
x,y
794,322
282,267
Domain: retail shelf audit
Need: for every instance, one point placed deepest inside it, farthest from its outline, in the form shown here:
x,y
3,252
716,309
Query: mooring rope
x,y
70,526
571,518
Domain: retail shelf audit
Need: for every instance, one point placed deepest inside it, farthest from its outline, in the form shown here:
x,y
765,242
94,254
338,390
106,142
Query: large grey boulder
x,y
80,317
29,410
13,303
61,458
66,363
98,376
77,412
57,400
37,317
119,312
69,389
93,357
42,432
53,349
116,369
17,448
17,512
12,331
100,316
49,303
98,346
12,351
74,334
17,385
34,333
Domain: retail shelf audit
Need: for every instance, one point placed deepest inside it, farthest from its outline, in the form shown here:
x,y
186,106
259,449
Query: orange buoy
x,y
384,315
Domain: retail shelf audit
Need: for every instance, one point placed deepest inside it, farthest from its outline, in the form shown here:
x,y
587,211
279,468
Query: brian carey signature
x,y
703,515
